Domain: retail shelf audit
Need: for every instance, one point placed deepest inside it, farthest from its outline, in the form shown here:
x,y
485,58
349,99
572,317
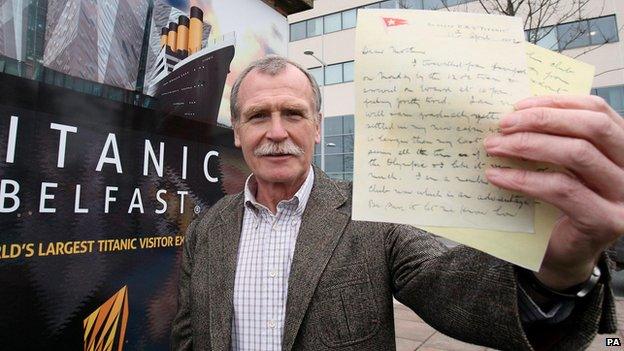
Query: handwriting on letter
x,y
427,94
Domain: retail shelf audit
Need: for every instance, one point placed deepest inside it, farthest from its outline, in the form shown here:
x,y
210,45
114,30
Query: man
x,y
282,265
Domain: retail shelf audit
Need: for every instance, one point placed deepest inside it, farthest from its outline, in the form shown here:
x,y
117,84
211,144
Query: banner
x,y
104,160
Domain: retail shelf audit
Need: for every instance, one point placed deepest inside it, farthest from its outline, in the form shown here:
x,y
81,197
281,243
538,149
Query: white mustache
x,y
286,147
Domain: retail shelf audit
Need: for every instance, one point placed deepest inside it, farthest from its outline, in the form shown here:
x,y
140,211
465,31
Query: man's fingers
x,y
577,102
589,212
577,155
595,127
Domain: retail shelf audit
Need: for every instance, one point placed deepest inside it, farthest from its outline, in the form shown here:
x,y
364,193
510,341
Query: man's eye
x,y
257,116
294,113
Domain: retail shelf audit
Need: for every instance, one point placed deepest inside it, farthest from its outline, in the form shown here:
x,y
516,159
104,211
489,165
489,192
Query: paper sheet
x,y
430,85
553,73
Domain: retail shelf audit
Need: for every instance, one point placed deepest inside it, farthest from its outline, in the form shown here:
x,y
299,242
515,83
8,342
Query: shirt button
x,y
273,273
294,223
271,324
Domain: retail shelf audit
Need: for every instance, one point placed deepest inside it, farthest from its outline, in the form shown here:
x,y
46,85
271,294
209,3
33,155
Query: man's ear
x,y
317,138
237,142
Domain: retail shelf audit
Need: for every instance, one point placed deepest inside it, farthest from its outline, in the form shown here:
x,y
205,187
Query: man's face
x,y
277,126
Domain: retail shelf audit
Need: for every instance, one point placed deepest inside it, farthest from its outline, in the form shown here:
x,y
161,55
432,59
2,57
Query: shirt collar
x,y
301,196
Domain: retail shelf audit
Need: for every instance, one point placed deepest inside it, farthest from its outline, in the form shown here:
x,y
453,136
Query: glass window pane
x,y
573,35
372,6
349,19
317,149
347,71
298,31
432,4
347,143
315,27
317,73
614,96
333,22
390,4
348,176
333,145
334,163
544,37
333,74
347,122
453,2
348,162
333,126
410,4
603,30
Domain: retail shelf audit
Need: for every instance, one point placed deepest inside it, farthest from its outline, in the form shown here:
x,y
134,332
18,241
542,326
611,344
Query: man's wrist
x,y
543,294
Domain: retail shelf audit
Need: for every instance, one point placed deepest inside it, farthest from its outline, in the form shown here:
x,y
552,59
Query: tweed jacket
x,y
344,274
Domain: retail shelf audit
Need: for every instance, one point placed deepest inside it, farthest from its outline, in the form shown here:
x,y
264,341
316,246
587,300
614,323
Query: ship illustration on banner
x,y
188,80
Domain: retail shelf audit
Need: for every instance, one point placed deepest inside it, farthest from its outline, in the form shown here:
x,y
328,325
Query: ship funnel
x,y
196,30
183,34
163,36
172,36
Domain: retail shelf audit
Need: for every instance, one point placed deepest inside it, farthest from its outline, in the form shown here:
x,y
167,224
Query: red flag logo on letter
x,y
391,22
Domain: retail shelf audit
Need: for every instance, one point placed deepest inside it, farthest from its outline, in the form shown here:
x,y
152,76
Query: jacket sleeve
x,y
181,329
472,296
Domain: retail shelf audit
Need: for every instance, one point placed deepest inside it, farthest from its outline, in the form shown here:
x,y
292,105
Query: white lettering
x,y
10,195
182,193
110,141
60,163
162,202
184,158
136,201
108,198
10,157
45,196
77,208
206,159
149,153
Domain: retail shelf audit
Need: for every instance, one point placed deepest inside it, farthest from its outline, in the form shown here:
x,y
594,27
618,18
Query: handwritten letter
x,y
553,73
430,86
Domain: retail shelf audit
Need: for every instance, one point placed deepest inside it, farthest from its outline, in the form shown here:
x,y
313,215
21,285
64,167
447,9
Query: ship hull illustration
x,y
189,81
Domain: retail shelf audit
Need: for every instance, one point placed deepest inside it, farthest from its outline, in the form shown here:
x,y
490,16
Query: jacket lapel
x,y
321,228
224,241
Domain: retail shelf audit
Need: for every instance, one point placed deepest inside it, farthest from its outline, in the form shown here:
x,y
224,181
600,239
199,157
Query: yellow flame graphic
x,y
107,322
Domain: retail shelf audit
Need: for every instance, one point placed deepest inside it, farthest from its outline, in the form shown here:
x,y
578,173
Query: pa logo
x,y
613,341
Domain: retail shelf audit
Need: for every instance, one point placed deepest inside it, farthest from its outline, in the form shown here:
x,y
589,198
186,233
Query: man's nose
x,y
277,130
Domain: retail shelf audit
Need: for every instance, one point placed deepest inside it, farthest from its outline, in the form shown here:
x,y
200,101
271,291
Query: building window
x,y
614,96
349,19
298,31
315,26
334,74
577,34
347,72
573,35
317,73
411,4
333,22
545,37
338,147
603,30
390,4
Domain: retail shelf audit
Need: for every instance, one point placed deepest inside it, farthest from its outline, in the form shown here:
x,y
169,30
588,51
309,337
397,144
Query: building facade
x,y
325,36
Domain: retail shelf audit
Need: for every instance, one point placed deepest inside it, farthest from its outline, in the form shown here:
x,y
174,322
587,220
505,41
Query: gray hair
x,y
271,65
